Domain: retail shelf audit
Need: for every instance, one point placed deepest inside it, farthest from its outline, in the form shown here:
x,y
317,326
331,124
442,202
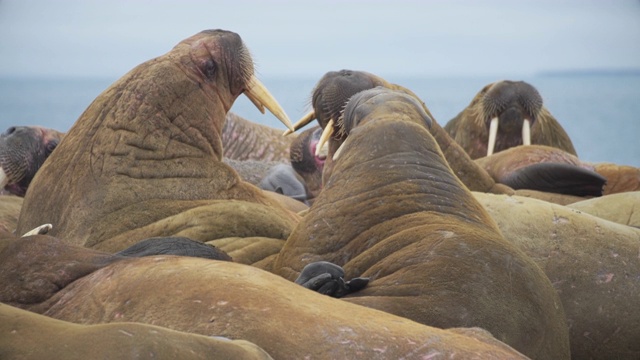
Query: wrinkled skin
x,y
211,298
306,163
26,335
144,160
23,150
511,102
592,263
335,88
432,252
10,206
246,140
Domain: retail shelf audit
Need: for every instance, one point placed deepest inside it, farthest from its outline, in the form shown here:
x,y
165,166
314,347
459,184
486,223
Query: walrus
x,y
543,168
26,335
333,91
23,150
144,159
549,169
213,298
306,163
505,114
393,211
592,263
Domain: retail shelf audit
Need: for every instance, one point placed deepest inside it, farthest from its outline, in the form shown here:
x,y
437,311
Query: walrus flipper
x,y
171,245
328,279
556,178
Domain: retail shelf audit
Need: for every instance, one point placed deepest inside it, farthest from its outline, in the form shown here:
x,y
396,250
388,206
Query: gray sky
x,y
300,37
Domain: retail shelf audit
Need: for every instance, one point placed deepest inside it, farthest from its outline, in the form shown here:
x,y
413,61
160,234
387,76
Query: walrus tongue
x,y
261,98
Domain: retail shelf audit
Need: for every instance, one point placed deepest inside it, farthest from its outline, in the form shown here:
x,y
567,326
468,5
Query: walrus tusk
x,y
324,151
4,180
261,98
40,230
326,133
307,118
493,132
526,132
336,155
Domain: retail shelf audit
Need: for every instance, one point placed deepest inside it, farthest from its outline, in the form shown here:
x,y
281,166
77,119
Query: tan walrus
x,y
505,114
206,297
393,210
144,160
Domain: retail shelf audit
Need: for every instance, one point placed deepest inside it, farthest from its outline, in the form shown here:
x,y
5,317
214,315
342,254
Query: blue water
x,y
601,113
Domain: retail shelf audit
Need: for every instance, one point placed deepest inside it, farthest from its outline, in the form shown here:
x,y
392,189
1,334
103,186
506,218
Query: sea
x,y
600,112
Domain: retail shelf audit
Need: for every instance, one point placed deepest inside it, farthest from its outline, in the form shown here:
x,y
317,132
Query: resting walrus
x,y
144,160
393,211
23,149
201,296
505,114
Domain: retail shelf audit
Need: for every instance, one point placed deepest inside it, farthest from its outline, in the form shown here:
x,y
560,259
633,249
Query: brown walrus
x,y
207,297
505,114
594,265
23,150
144,160
393,210
26,335
335,88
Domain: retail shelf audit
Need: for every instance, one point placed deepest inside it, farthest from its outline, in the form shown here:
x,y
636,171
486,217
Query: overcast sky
x,y
298,37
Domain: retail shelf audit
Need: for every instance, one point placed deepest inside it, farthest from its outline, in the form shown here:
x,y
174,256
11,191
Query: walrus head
x,y
503,115
23,149
508,108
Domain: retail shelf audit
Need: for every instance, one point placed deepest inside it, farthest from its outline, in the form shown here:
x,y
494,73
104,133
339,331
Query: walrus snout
x,y
505,95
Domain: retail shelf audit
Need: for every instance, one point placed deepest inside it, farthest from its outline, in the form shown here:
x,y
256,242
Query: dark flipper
x,y
174,246
556,178
328,279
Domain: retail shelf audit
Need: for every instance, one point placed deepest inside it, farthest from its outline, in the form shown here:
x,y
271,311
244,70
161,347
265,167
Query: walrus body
x,y
149,149
26,335
510,106
210,298
393,211
591,262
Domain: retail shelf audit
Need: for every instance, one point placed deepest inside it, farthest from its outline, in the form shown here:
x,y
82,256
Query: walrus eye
x,y
51,146
209,69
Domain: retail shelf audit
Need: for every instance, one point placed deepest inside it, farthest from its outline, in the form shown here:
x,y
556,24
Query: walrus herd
x,y
176,229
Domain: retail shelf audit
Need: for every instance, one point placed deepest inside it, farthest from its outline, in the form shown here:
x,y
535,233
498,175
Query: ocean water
x,y
601,113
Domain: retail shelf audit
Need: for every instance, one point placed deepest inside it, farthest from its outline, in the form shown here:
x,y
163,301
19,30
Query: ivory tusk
x,y
526,132
324,151
40,230
339,151
307,118
261,98
326,133
493,132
